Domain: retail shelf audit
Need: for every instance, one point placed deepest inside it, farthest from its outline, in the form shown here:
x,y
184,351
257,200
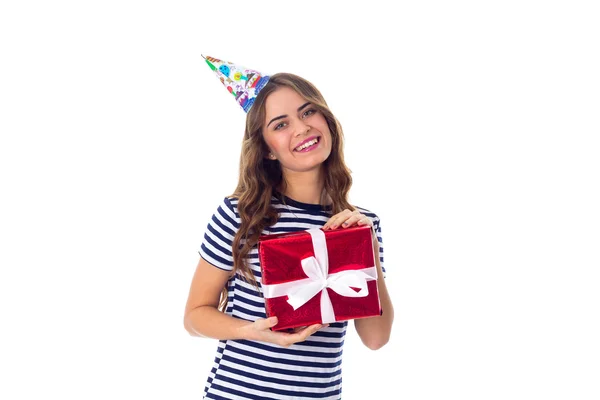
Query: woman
x,y
292,178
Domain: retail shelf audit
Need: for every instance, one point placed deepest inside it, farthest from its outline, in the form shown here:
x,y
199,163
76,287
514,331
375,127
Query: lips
x,y
305,141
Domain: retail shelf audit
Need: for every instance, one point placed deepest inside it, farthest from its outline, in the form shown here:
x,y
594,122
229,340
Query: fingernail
x,y
345,224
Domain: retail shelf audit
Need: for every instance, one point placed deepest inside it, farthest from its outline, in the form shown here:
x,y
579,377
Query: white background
x,y
471,130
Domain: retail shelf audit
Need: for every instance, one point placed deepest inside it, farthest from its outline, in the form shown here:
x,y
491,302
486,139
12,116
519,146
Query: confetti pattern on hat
x,y
243,83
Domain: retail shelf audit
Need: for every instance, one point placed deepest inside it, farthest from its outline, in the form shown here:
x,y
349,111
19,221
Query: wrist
x,y
245,331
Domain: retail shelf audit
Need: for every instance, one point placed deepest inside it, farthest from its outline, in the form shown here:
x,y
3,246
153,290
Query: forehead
x,y
283,101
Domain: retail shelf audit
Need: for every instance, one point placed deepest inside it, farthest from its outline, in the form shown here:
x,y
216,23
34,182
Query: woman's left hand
x,y
346,219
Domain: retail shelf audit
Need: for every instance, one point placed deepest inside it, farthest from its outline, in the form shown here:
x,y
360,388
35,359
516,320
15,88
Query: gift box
x,y
315,276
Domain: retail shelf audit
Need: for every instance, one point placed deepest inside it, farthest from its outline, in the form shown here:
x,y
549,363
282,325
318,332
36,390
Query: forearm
x,y
207,321
375,331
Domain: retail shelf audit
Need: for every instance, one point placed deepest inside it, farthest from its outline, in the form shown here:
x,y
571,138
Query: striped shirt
x,y
245,369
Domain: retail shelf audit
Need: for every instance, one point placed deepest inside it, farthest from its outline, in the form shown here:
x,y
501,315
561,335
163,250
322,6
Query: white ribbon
x,y
319,279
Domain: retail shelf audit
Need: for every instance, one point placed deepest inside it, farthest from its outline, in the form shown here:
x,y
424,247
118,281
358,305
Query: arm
x,y
202,317
375,331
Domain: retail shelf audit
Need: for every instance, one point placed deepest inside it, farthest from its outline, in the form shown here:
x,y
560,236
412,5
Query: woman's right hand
x,y
260,330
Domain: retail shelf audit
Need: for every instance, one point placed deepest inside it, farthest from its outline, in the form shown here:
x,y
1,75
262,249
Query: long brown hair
x,y
259,176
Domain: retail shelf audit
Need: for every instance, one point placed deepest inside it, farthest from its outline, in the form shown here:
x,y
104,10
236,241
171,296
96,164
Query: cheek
x,y
274,143
322,123
329,138
324,128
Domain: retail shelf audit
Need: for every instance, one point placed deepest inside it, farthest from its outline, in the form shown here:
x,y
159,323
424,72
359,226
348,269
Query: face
x,y
292,122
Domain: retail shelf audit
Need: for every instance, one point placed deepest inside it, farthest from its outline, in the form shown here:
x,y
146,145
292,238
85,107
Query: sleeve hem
x,y
229,269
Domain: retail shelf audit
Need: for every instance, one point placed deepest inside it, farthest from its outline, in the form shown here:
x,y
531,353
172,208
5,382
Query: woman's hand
x,y
260,330
347,218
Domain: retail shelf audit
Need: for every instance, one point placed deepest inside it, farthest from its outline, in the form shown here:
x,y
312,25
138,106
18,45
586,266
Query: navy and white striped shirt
x,y
246,369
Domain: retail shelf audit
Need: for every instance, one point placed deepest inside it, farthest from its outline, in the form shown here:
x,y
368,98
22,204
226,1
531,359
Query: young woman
x,y
292,178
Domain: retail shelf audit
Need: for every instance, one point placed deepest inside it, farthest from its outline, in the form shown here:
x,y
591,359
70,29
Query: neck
x,y
305,187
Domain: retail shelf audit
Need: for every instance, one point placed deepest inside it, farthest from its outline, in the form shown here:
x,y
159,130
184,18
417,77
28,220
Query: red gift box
x,y
315,276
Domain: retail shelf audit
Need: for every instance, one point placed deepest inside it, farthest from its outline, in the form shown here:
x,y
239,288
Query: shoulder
x,y
227,211
231,203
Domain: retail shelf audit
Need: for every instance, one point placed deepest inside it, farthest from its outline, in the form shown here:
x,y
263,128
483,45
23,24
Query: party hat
x,y
243,83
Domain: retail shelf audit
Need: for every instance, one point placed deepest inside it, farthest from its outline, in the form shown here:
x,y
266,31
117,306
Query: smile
x,y
308,146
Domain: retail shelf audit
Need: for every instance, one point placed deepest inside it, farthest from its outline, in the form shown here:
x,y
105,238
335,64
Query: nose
x,y
302,128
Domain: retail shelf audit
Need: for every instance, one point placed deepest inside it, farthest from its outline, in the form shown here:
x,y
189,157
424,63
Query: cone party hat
x,y
243,83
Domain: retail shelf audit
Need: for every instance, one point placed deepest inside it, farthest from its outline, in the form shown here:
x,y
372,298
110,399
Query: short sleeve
x,y
377,227
217,244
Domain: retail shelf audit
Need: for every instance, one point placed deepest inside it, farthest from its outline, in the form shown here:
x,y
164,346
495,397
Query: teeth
x,y
305,145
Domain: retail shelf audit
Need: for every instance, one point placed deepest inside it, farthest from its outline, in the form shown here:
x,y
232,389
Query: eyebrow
x,y
283,116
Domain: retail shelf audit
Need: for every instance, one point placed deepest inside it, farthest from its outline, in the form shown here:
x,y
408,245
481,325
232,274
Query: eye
x,y
309,112
278,126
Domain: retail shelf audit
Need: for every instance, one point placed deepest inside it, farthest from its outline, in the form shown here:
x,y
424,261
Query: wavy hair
x,y
260,178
